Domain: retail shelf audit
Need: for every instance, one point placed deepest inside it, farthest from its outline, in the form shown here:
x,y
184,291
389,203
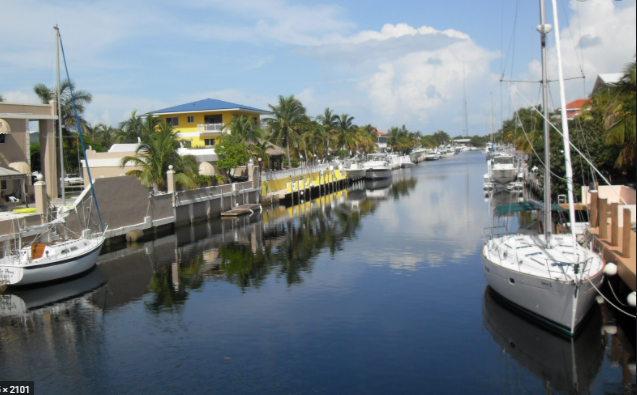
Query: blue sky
x,y
386,63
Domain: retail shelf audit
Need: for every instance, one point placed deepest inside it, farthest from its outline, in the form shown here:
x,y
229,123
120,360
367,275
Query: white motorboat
x,y
418,155
355,171
406,162
377,167
502,169
549,277
432,155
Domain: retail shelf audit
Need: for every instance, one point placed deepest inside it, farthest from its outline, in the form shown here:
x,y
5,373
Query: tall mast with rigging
x,y
59,99
544,29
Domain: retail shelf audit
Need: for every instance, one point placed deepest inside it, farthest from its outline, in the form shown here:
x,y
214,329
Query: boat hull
x,y
19,275
377,174
554,303
356,174
503,176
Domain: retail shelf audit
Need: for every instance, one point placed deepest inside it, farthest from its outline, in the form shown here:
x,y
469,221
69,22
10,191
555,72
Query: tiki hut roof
x,y
273,149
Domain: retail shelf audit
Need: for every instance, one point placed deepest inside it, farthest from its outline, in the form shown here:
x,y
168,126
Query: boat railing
x,y
281,174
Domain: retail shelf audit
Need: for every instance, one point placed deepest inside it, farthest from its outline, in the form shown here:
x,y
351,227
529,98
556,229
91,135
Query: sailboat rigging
x,y
49,256
549,277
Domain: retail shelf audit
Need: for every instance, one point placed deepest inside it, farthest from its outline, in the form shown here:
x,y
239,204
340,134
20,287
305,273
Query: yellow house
x,y
202,121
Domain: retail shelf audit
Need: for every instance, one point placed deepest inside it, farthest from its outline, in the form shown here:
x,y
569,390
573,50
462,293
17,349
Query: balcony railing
x,y
210,127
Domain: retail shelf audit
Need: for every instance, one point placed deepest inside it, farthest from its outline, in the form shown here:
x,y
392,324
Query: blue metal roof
x,y
207,105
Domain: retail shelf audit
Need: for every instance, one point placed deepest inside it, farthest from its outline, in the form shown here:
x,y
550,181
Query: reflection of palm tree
x,y
167,296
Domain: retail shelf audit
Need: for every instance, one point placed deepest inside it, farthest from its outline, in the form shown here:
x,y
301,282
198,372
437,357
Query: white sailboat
x,y
53,255
550,277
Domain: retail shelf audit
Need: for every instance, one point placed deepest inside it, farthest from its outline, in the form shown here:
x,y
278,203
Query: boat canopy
x,y
524,206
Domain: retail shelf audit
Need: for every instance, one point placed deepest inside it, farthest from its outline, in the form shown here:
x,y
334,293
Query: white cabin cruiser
x,y
502,169
377,167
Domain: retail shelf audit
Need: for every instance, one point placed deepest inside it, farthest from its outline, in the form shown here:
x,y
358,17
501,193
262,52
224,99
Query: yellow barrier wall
x,y
284,184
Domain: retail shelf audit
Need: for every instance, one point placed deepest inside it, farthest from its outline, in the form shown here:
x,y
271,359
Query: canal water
x,y
374,290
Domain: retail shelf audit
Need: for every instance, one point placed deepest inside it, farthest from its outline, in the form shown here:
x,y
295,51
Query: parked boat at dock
x,y
377,166
502,169
549,277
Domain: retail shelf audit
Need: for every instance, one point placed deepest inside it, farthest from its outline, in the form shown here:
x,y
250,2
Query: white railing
x,y
210,127
281,174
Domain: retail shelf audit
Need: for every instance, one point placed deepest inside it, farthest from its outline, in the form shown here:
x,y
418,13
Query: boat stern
x,y
10,275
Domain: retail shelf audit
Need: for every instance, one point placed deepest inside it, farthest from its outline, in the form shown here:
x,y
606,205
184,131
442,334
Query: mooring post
x,y
603,218
614,226
626,233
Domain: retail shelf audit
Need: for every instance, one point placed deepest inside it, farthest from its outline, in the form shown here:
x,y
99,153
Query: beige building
x,y
108,164
15,147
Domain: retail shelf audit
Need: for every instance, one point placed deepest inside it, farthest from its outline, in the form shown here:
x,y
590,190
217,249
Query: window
x,y
255,120
209,142
4,185
213,119
172,121
2,136
191,119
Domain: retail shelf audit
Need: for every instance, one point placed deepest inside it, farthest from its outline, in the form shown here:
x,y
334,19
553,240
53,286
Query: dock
x,y
241,211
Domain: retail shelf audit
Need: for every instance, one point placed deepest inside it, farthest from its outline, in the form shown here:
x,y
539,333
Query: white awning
x,y
206,169
9,174
4,127
21,167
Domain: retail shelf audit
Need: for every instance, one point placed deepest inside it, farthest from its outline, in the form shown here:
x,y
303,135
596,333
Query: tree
x,y
243,129
130,130
288,123
157,151
329,122
82,99
232,154
441,138
104,134
1,98
345,133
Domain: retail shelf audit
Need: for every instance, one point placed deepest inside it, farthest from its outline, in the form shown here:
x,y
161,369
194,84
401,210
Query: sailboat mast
x,y
544,29
57,72
492,118
466,111
565,130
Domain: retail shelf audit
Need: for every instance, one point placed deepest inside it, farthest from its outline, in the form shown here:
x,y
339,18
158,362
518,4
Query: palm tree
x,y
619,116
329,121
82,99
104,134
157,151
243,129
367,138
288,122
130,130
345,133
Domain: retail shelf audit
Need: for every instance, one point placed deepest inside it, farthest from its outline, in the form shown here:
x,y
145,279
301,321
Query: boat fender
x,y
600,299
631,299
631,367
610,269
134,235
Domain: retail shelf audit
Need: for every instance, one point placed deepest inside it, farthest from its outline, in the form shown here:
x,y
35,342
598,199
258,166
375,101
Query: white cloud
x,y
605,43
20,97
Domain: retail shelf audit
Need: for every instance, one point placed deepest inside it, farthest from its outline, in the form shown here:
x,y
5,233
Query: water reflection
x,y
564,365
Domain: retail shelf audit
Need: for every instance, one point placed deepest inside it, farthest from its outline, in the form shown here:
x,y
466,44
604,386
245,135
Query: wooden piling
x,y
626,234
603,218
614,226
594,209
